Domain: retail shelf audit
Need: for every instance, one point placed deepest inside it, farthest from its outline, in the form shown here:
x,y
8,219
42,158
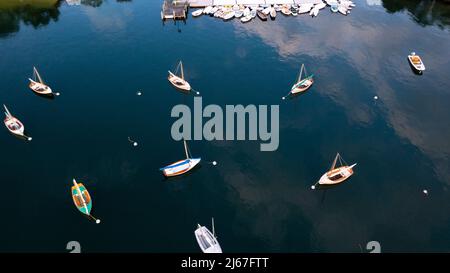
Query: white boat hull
x,y
180,167
206,240
343,173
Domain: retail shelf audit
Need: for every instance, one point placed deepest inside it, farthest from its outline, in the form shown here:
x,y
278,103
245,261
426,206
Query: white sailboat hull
x,y
180,167
40,88
340,175
206,240
178,82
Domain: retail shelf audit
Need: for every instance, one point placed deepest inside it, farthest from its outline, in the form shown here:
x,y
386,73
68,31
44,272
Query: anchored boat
x,y
82,200
336,175
178,81
207,240
14,125
302,84
182,166
38,86
416,62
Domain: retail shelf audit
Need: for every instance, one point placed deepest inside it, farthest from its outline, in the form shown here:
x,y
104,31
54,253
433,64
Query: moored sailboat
x,y
302,84
182,166
336,175
179,81
14,125
207,240
38,86
82,200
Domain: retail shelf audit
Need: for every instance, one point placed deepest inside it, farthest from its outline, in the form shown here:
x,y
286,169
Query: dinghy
x,y
334,7
178,81
229,16
273,13
207,240
336,175
261,15
14,125
197,13
416,62
82,200
182,166
246,19
286,10
302,84
38,86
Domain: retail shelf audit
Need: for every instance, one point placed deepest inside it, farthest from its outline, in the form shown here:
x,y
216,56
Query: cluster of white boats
x,y
247,13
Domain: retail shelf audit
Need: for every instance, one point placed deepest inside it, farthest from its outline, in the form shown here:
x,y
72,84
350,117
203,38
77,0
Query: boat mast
x,y
7,113
334,162
36,74
300,75
81,196
182,72
186,149
213,228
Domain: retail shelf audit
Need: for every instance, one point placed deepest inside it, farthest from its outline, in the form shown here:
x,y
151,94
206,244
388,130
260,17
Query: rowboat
x,y
197,13
305,8
336,175
182,166
82,200
302,84
246,19
178,81
207,10
416,62
286,10
228,16
38,86
261,15
14,125
207,240
273,13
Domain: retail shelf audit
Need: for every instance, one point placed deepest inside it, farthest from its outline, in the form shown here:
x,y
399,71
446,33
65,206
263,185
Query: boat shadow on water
x,y
48,97
182,176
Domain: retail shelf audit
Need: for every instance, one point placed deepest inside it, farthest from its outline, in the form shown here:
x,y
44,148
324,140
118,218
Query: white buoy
x,y
57,94
214,163
283,98
139,93
375,98
97,221
30,138
425,191
135,144
313,187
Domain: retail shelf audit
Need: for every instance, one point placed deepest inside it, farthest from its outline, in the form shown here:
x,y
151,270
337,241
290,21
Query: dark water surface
x,y
99,54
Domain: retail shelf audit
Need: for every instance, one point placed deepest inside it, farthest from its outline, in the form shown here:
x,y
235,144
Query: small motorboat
x,y
277,7
253,13
320,6
261,15
207,240
182,166
238,13
336,175
14,125
246,19
294,11
314,12
334,7
82,200
416,62
267,10
179,81
342,9
197,13
247,12
273,13
213,10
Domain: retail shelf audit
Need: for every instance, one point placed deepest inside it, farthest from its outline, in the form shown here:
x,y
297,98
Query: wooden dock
x,y
205,3
173,9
